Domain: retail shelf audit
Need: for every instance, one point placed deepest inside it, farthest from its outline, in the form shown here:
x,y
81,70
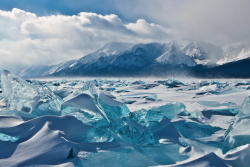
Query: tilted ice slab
x,y
20,95
112,109
108,117
170,110
238,133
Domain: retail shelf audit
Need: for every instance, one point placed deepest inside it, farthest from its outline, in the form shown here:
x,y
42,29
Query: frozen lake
x,y
124,122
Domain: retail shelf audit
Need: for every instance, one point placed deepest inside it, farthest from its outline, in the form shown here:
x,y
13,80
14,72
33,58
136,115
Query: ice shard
x,y
169,110
49,103
111,108
130,131
238,133
99,135
171,83
19,95
86,116
90,103
194,129
166,132
4,137
22,96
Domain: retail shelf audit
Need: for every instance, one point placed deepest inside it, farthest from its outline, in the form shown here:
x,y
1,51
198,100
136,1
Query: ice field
x,y
124,122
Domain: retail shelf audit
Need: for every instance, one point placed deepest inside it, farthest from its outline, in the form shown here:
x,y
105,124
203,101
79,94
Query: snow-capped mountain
x,y
174,56
42,70
202,53
135,59
235,52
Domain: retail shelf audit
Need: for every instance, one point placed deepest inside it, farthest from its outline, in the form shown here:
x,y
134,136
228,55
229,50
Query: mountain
x,y
234,69
42,70
235,52
183,57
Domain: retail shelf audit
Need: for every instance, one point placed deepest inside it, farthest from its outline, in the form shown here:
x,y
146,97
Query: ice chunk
x,y
166,132
83,101
127,135
113,112
111,108
245,108
22,96
171,83
62,93
147,137
138,82
140,115
220,106
152,97
169,110
4,137
99,135
72,83
202,83
194,130
56,83
209,88
129,131
238,132
49,103
151,124
242,83
87,117
64,81
109,89
227,90
121,128
128,101
19,95
120,91
148,96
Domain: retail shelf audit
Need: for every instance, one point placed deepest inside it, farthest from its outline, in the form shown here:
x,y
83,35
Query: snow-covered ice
x,y
124,122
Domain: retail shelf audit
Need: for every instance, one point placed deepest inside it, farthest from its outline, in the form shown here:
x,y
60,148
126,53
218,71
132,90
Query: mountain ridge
x,y
156,59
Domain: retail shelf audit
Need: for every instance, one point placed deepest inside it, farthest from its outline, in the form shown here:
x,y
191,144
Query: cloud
x,y
27,39
219,22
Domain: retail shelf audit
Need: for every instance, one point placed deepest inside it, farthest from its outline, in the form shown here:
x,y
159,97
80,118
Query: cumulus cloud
x,y
27,39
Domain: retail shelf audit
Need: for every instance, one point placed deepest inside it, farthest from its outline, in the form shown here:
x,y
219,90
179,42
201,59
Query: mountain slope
x,y
160,59
42,70
174,57
130,61
235,52
235,69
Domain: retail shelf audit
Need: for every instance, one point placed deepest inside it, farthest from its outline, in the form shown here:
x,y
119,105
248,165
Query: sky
x,y
48,32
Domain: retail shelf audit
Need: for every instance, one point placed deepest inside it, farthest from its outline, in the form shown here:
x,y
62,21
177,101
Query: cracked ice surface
x,y
114,122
